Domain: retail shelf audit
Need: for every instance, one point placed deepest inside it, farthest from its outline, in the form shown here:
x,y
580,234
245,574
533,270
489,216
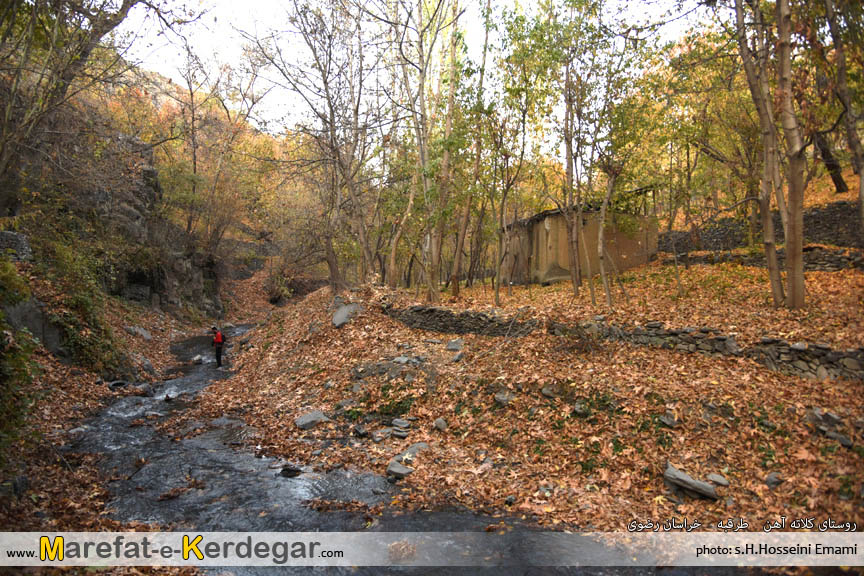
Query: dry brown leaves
x,y
599,469
730,297
58,490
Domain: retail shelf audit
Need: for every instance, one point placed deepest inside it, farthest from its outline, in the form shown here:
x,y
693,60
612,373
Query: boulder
x,y
440,424
580,410
198,359
549,391
851,364
455,345
30,314
398,470
16,245
310,420
669,419
345,313
458,357
411,452
841,438
139,332
343,404
290,471
381,435
144,364
773,480
683,480
504,397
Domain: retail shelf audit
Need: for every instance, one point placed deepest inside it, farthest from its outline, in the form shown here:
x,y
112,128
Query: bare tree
x,y
45,48
756,68
456,272
796,160
331,76
417,28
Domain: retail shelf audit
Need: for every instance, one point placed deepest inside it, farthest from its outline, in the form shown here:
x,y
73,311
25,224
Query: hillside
x,y
561,428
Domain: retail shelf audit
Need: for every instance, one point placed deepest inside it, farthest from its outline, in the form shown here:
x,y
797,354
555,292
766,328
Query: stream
x,y
236,491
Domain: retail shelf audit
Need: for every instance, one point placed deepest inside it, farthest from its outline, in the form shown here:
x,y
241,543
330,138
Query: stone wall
x,y
808,360
703,340
835,224
467,322
815,258
800,359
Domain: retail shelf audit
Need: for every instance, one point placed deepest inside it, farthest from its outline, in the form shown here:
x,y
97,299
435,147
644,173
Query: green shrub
x,y
13,288
85,331
16,366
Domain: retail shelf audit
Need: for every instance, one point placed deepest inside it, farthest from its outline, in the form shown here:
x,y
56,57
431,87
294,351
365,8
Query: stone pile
x,y
400,427
809,360
468,322
835,224
816,258
690,339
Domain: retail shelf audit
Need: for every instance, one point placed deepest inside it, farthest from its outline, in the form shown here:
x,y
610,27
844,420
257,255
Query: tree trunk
x,y
850,116
456,273
753,210
477,246
823,145
759,92
769,244
587,259
601,236
337,284
796,161
444,183
499,254
569,210
392,277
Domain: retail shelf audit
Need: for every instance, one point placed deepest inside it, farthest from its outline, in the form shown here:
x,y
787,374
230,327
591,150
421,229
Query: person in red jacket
x,y
218,344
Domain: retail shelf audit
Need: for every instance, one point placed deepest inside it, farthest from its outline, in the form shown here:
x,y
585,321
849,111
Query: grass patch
x,y
396,408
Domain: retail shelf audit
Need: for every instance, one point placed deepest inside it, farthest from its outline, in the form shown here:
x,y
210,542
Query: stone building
x,y
538,246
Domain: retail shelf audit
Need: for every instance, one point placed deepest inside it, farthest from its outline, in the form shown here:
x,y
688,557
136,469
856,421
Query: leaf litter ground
x,y
593,455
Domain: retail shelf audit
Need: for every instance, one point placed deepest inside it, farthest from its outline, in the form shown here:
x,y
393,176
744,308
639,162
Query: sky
x,y
217,37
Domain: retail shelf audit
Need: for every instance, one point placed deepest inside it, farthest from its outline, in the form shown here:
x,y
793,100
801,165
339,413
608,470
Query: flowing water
x,y
233,490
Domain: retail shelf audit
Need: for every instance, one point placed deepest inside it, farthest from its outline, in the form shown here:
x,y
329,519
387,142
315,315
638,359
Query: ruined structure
x,y
538,246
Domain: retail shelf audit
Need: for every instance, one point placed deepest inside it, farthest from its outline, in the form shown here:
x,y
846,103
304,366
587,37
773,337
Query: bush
x,y
16,366
79,274
279,285
13,288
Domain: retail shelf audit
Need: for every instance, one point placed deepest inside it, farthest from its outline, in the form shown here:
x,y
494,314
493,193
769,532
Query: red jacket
x,y
218,338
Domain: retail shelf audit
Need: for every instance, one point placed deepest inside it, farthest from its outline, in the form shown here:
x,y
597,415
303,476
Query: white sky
x,y
216,38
